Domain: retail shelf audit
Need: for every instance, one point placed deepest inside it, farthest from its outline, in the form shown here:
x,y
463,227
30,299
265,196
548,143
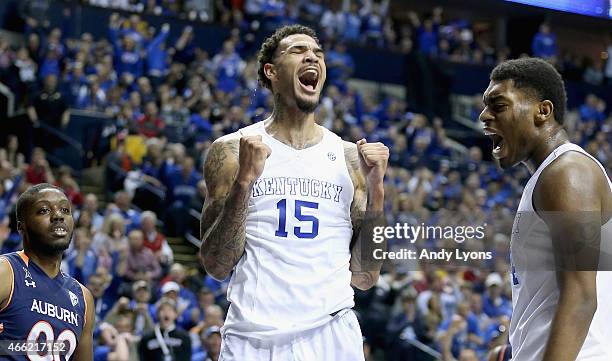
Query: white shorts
x,y
338,340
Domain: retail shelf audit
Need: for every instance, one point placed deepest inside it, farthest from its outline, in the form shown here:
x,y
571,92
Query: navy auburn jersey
x,y
41,309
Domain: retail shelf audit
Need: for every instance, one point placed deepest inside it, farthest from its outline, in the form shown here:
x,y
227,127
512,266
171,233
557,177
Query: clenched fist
x,y
252,155
373,158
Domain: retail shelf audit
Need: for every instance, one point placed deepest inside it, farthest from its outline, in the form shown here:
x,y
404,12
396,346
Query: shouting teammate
x,y
41,308
562,233
285,197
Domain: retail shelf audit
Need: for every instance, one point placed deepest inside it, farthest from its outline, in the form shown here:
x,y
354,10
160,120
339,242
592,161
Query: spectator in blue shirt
x,y
200,124
460,331
544,43
428,38
73,81
127,56
373,15
144,310
340,66
182,183
229,67
123,206
210,348
351,21
7,195
273,12
312,11
493,302
185,308
104,294
496,333
593,109
131,29
157,54
185,47
81,260
406,326
51,63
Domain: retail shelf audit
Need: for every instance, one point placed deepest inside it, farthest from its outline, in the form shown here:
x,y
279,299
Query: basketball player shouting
x,y
562,306
41,308
284,199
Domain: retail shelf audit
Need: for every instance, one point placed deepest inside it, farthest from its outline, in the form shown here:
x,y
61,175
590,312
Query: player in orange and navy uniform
x,y
40,306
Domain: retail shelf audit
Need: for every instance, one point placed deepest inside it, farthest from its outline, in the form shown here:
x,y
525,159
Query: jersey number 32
x,y
43,332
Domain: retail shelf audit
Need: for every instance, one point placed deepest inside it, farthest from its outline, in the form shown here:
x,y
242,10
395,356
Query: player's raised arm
x,y
84,351
6,286
569,199
367,164
232,166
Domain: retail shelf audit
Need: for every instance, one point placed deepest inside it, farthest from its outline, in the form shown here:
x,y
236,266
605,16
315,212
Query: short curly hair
x,y
540,77
269,46
26,199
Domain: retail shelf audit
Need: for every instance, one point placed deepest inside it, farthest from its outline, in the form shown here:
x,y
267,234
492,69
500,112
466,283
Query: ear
x,y
545,112
270,71
20,226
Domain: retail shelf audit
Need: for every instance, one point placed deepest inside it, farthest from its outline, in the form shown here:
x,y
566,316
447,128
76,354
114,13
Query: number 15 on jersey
x,y
300,231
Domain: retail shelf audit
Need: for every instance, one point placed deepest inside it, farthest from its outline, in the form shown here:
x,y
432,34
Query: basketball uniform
x,y
535,292
41,309
290,292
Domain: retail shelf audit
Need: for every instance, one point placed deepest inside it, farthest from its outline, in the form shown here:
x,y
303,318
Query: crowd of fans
x,y
370,22
168,99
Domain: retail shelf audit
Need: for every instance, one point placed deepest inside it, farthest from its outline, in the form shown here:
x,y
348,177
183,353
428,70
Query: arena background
x,y
117,102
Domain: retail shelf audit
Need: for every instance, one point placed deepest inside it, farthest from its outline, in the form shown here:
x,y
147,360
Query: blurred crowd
x,y
168,100
371,23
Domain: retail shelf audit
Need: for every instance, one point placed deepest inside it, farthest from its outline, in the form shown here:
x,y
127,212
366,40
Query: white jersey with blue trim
x,y
535,291
294,271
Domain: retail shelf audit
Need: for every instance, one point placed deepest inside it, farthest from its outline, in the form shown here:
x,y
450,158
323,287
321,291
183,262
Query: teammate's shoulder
x,y
570,167
571,182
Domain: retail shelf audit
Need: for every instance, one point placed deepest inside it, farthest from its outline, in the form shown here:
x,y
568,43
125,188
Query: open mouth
x,y
59,231
498,143
309,78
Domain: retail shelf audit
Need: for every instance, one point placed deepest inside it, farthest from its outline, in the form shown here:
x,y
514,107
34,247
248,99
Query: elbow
x,y
364,280
584,308
213,269
363,286
218,275
589,307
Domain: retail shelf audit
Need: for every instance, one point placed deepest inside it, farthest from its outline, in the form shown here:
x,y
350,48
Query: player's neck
x,y
293,127
549,143
49,264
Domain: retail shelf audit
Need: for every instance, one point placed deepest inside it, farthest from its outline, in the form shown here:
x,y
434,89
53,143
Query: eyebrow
x,y
316,49
46,201
491,97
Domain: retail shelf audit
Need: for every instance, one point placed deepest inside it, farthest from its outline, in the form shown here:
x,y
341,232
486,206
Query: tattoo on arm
x,y
364,276
222,224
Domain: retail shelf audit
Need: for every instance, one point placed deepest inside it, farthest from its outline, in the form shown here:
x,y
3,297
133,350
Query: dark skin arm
x,y
5,287
84,351
571,196
366,209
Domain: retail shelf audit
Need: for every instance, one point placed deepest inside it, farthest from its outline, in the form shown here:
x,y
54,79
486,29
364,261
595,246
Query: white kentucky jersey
x,y
294,271
535,291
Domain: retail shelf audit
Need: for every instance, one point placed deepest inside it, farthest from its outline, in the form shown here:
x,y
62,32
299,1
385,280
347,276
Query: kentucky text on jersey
x,y
292,186
48,309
